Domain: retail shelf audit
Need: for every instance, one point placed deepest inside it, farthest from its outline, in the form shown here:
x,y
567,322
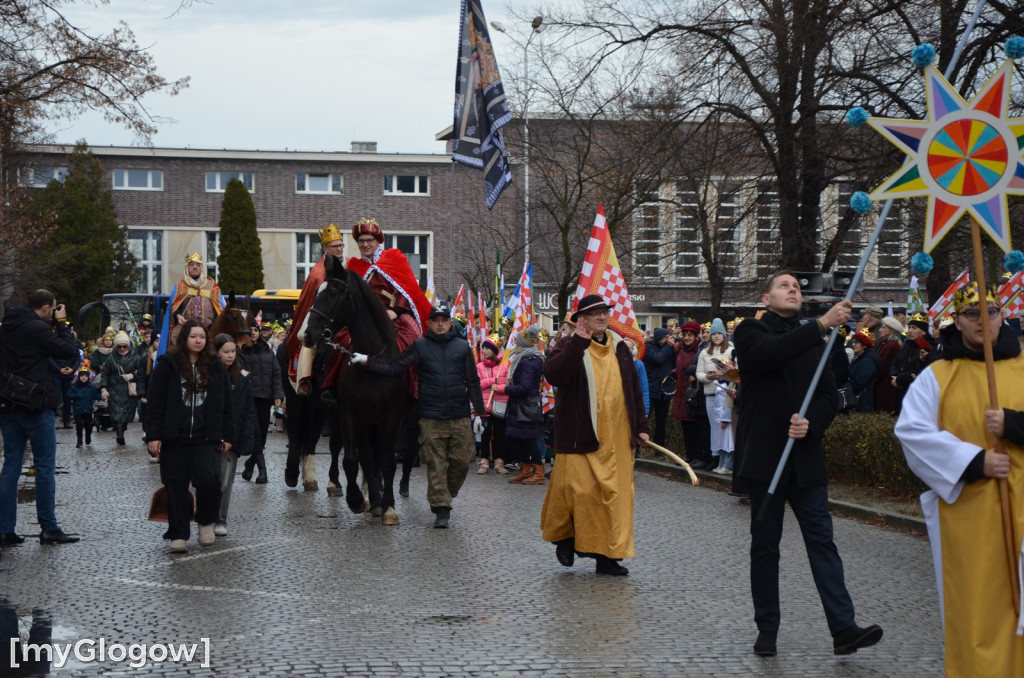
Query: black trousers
x,y
198,464
257,459
83,424
492,443
660,408
527,451
810,506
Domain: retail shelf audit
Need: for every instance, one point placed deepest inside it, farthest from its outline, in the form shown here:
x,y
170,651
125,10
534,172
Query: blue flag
x,y
481,109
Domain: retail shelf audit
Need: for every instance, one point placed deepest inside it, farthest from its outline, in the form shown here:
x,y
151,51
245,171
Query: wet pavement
x,y
301,586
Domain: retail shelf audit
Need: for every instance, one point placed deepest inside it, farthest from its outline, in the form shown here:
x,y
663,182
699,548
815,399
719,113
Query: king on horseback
x,y
387,272
196,295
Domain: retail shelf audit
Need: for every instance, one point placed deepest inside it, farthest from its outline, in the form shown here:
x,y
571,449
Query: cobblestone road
x,y
301,586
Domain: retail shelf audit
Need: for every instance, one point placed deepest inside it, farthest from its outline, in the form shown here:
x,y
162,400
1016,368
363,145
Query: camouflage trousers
x,y
447,448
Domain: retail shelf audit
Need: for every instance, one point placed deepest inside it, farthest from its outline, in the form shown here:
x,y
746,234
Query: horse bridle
x,y
329,332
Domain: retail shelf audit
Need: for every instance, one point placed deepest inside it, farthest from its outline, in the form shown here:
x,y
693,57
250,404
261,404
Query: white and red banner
x,y
1010,295
601,275
944,305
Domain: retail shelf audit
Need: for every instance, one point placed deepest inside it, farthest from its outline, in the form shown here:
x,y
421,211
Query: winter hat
x,y
659,334
529,336
893,324
863,338
690,326
873,311
717,326
487,343
121,339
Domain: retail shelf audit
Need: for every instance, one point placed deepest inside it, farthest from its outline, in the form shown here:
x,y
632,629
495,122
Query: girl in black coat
x,y
245,420
523,391
189,424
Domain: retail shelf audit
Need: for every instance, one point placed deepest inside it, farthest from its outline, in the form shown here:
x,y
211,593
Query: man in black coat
x,y
777,357
448,381
659,359
28,344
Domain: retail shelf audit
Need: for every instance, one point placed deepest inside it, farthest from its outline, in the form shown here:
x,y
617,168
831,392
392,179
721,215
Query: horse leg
x,y
350,462
336,442
296,412
371,473
312,438
386,457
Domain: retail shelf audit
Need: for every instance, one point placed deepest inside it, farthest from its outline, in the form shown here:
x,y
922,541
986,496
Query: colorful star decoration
x,y
966,157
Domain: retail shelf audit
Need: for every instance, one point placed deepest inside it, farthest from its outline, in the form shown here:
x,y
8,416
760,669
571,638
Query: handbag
x,y
17,391
847,398
530,410
133,388
498,408
693,394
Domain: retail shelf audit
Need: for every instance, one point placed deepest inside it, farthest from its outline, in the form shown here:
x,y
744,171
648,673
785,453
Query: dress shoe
x,y
565,551
851,639
56,537
610,566
11,539
764,646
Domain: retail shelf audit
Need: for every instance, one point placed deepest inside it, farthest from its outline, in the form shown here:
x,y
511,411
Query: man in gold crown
x,y
196,295
948,436
908,363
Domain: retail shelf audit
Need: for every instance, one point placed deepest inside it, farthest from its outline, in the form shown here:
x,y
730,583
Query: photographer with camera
x,y
29,338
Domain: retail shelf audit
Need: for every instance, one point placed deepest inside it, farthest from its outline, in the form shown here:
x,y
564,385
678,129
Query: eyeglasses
x,y
366,241
974,313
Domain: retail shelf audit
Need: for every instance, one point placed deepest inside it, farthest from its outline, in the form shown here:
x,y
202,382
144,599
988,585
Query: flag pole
x,y
854,284
993,398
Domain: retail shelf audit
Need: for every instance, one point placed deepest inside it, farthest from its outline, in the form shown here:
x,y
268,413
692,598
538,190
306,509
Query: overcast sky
x,y
312,75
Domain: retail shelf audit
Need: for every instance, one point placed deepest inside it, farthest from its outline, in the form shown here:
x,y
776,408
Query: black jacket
x,y
264,372
167,418
245,416
776,366
28,344
659,361
447,374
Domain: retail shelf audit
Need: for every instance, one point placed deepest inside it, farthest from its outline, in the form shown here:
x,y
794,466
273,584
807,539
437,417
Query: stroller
x,y
101,416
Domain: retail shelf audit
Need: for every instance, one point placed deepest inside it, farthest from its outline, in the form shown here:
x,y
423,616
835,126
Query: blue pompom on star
x,y
1014,261
1015,47
857,116
923,55
922,263
860,202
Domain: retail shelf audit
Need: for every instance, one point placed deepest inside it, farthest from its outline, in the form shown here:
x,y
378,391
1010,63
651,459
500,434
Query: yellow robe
x,y
976,583
590,496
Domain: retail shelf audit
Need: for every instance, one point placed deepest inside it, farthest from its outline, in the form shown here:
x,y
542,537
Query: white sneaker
x,y
220,529
719,470
727,471
179,546
206,535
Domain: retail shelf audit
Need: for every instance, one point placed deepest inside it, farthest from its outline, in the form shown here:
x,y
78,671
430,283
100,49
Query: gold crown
x,y
844,331
329,233
494,338
919,317
544,336
969,294
195,256
706,326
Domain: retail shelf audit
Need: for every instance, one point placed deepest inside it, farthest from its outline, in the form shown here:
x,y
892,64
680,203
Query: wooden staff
x,y
677,459
993,400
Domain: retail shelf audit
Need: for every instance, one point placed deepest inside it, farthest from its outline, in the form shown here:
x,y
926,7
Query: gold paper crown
x,y
195,256
919,317
493,336
329,233
109,332
544,336
969,294
706,326
844,331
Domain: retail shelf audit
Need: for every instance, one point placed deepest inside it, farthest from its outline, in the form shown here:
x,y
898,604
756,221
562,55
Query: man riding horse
x,y
196,295
388,273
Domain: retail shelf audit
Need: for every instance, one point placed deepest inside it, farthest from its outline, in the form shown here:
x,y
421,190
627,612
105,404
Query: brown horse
x,y
233,321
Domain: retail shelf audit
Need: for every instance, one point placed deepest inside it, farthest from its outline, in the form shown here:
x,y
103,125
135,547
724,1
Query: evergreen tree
x,y
240,260
86,253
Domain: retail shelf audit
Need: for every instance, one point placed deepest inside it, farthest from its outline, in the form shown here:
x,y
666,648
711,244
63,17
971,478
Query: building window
x,y
851,246
212,252
308,250
688,235
728,225
767,242
318,183
401,184
147,246
891,251
416,248
216,182
40,177
138,180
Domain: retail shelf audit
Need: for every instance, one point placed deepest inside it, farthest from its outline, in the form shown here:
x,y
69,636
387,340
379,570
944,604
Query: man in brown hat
x,y
872,319
599,416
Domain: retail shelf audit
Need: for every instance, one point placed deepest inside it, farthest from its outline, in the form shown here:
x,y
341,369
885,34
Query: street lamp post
x,y
537,25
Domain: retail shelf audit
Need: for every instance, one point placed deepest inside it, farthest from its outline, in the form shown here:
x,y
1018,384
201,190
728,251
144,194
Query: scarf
x,y
790,323
517,355
376,254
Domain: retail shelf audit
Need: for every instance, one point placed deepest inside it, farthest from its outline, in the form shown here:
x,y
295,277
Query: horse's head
x,y
321,320
234,321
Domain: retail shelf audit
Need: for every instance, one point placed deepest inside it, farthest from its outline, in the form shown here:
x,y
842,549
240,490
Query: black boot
x,y
403,486
120,433
247,470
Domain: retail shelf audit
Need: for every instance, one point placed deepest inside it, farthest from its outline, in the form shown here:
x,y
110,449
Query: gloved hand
x,y
478,426
358,358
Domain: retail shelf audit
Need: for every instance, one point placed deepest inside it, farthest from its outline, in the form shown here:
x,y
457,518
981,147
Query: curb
x,y
878,516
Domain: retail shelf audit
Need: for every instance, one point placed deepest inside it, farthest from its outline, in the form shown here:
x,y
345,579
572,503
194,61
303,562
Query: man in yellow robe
x,y
196,295
599,414
948,437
